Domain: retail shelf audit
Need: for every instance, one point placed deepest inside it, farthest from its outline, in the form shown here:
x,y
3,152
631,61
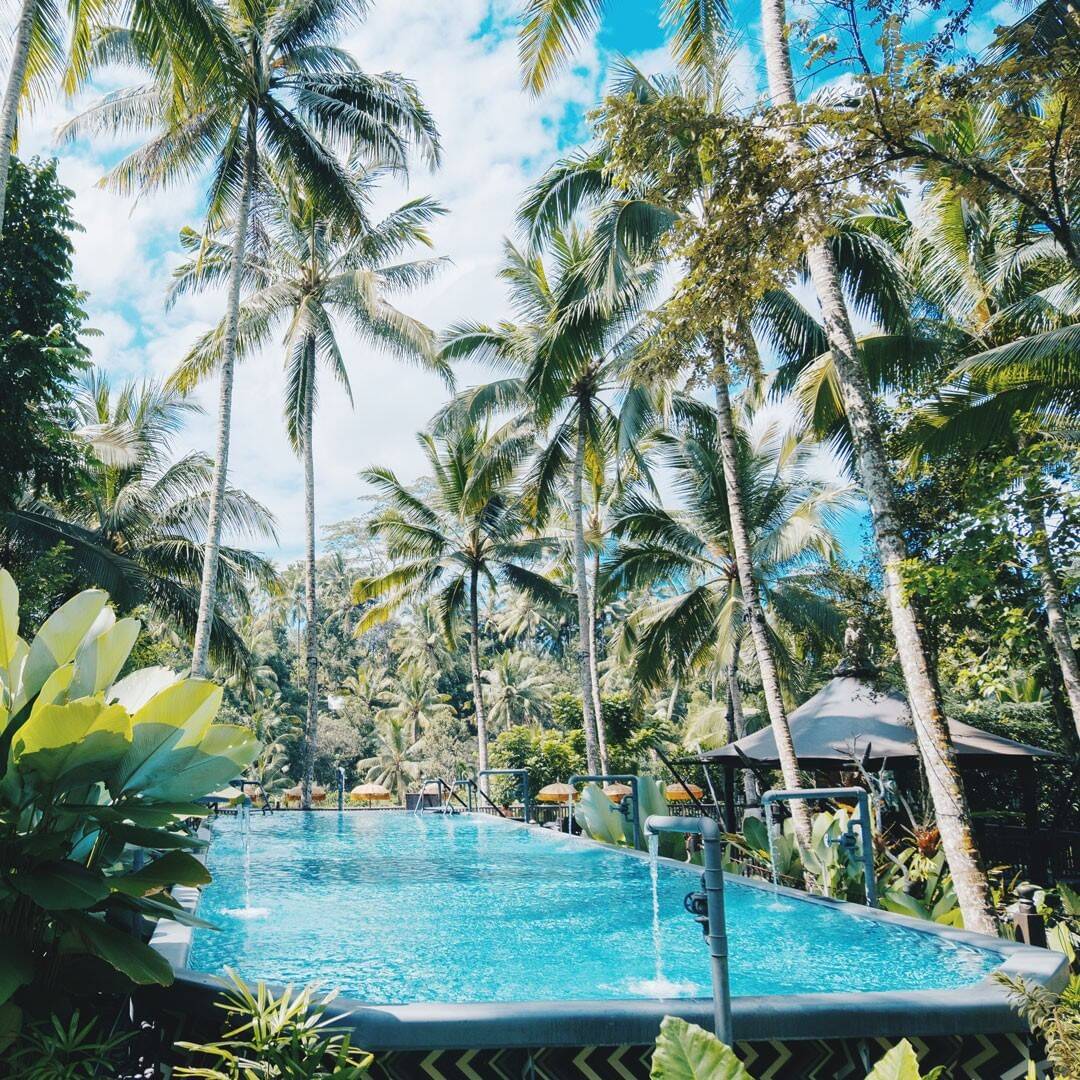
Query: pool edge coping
x,y
979,1008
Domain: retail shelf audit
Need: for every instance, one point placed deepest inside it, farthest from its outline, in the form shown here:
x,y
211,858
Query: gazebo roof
x,y
849,719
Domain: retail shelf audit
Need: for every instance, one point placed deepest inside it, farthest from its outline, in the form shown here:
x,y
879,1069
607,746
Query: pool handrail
x,y
523,774
581,778
715,927
864,821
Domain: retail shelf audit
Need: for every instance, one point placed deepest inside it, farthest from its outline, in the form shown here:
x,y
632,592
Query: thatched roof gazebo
x,y
852,720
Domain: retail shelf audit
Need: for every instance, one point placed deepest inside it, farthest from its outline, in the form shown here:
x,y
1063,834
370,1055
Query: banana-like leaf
x,y
224,751
174,868
56,689
9,618
58,640
176,717
62,886
900,1063
153,839
63,745
598,818
135,690
100,658
687,1052
140,963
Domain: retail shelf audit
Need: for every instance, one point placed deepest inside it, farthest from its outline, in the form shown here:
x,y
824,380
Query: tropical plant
x,y
518,690
685,1051
552,28
369,688
312,273
1053,1018
286,1036
41,322
398,759
247,92
414,698
792,518
134,521
71,1049
468,529
90,768
567,354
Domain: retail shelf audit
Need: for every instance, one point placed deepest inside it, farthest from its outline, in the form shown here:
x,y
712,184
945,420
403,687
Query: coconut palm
x,y
398,759
134,518
552,28
467,530
631,221
369,688
568,355
414,697
518,690
241,90
313,274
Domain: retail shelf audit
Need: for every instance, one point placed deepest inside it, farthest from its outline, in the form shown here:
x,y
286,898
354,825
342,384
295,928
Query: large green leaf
x,y
9,617
225,751
177,716
688,1052
175,868
17,968
757,836
135,690
900,1063
58,639
597,815
140,963
63,745
55,689
153,839
63,885
100,659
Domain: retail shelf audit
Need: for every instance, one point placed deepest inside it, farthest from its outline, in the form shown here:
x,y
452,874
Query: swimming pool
x,y
394,908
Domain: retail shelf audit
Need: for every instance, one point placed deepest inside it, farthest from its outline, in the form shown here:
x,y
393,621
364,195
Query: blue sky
x,y
463,55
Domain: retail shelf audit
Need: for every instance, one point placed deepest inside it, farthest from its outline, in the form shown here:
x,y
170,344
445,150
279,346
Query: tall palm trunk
x,y
311,609
200,650
755,616
581,583
1056,626
931,728
477,685
737,723
594,666
9,114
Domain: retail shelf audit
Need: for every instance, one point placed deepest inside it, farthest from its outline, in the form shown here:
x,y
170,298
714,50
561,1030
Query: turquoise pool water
x,y
394,907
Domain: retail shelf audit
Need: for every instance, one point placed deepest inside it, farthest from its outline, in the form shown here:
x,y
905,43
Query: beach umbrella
x,y
318,792
556,793
677,792
368,793
225,795
617,792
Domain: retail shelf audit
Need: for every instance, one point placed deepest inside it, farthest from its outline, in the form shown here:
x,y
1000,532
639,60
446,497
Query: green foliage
x,y
549,756
287,1037
1053,1018
92,767
55,1049
41,320
685,1051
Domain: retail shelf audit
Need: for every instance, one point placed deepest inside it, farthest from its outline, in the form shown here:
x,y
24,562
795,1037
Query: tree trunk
x,y
311,613
594,666
931,728
737,723
582,585
673,700
9,115
755,617
478,687
1056,626
200,650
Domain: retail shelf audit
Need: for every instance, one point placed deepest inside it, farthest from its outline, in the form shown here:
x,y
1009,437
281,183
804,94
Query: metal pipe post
x,y
716,930
864,821
628,777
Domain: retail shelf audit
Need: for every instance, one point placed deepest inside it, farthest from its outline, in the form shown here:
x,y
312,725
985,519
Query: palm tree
x,y
552,28
312,274
518,690
134,519
469,529
369,688
567,353
632,221
242,90
792,517
414,698
398,759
